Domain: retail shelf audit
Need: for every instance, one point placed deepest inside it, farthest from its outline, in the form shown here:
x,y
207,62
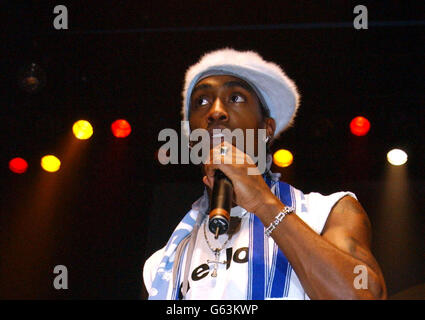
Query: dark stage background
x,y
112,204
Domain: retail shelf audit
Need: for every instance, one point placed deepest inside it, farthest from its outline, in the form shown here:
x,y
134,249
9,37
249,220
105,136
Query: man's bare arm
x,y
325,263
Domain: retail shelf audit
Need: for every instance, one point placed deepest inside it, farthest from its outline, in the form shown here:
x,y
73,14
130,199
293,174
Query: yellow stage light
x,y
82,129
397,157
50,163
283,158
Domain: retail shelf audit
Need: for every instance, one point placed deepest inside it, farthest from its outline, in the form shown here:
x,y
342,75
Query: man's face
x,y
220,102
227,102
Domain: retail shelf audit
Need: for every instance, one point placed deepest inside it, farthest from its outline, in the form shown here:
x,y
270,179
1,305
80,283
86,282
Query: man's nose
x,y
217,112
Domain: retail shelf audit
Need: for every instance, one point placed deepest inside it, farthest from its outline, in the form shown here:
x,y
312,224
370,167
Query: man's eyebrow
x,y
228,84
201,86
231,84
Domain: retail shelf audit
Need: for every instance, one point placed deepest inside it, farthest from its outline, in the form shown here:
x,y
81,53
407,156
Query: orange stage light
x,y
359,126
120,128
18,165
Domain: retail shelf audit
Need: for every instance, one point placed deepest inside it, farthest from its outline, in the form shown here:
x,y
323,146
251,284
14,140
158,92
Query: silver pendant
x,y
214,273
216,262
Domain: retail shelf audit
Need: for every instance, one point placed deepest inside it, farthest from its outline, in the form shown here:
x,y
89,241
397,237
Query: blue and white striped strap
x,y
264,280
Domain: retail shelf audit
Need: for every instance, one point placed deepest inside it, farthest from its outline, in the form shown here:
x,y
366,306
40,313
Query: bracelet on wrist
x,y
278,219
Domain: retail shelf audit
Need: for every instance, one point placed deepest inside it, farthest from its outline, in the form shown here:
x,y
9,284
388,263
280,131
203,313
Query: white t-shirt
x,y
232,273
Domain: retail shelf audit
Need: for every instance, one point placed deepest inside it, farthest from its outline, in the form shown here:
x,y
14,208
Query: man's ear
x,y
270,126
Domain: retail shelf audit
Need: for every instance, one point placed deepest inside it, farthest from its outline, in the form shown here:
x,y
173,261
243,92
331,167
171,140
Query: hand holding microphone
x,y
251,191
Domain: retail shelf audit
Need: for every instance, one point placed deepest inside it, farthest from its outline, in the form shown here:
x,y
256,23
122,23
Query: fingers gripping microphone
x,y
221,203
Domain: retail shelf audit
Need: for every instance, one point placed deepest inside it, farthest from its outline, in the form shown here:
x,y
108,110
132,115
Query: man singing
x,y
281,243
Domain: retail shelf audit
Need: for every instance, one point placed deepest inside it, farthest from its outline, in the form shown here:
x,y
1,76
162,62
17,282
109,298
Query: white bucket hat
x,y
277,92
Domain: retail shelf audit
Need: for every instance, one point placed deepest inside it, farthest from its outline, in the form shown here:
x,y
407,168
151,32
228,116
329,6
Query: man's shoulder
x,y
335,196
314,208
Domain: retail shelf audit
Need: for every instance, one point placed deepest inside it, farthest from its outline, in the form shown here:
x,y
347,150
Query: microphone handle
x,y
221,204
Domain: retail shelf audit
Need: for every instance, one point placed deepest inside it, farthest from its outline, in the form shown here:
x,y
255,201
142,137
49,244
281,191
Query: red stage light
x,y
359,126
18,165
120,128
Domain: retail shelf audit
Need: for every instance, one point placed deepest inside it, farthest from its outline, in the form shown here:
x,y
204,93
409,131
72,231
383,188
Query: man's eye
x,y
202,101
237,98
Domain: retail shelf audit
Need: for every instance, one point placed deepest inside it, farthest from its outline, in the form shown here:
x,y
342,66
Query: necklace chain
x,y
216,251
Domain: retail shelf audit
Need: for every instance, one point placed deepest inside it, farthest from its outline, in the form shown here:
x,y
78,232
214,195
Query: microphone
x,y
221,203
